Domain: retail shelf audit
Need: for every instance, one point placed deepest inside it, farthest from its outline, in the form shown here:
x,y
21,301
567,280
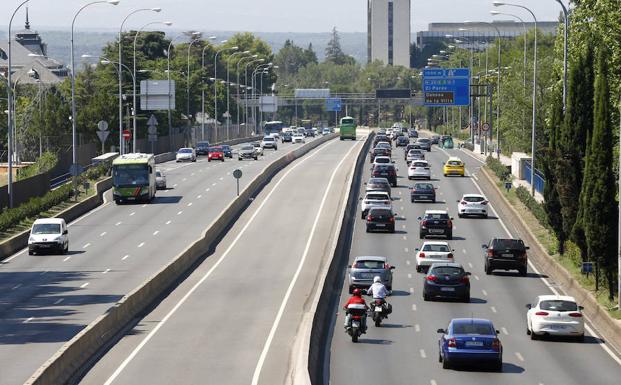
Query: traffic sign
x,y
333,104
237,173
446,87
103,135
152,121
127,134
102,125
152,138
485,127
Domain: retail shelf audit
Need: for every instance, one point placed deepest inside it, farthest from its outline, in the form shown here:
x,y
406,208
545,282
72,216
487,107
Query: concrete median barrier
x,y
74,357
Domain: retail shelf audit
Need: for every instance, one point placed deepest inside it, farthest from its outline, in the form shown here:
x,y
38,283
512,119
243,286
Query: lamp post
x,y
238,87
471,106
203,89
248,89
254,89
215,75
120,72
167,23
534,125
228,90
566,31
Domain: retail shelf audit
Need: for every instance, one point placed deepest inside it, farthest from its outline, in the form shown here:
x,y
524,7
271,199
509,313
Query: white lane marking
x,y
228,173
192,174
16,286
125,257
403,226
207,190
144,205
476,277
470,265
138,348
213,184
103,234
407,262
156,232
493,309
184,179
141,244
28,320
484,292
175,185
409,275
464,251
423,354
84,285
474,175
433,382
105,271
86,246
504,330
402,208
405,238
221,178
189,204
180,212
417,328
519,356
66,259
400,193
58,301
132,213
168,222
411,290
406,250
118,223
199,196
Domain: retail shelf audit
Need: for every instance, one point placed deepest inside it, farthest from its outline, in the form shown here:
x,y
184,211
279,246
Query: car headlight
x,y
31,240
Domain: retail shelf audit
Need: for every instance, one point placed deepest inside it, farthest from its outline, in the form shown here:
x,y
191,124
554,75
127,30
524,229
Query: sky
x,y
258,15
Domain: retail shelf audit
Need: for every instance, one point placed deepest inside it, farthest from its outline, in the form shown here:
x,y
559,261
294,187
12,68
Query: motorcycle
x,y
379,311
355,327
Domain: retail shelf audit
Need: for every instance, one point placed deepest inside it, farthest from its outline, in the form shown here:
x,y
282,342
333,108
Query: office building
x,y
388,35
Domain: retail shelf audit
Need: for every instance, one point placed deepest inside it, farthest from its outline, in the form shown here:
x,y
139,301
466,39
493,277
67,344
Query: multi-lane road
x,y
47,299
405,349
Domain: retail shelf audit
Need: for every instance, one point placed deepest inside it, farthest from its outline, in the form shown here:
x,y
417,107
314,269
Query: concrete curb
x,y
608,328
73,357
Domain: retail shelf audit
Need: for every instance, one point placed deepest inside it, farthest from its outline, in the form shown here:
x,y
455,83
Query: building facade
x,y
388,31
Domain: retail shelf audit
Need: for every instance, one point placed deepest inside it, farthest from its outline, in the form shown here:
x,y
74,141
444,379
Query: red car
x,y
215,153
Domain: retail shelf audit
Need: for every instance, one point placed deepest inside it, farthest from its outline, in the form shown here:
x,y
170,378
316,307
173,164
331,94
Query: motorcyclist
x,y
378,290
357,299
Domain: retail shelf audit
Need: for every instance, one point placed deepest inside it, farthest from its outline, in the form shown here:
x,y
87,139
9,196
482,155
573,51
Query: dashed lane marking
x,y
484,292
493,309
189,204
423,354
417,328
83,285
519,356
180,212
156,232
105,271
102,234
413,307
168,222
504,331
118,223
409,275
141,244
406,250
132,213
476,277
125,257
66,259
86,246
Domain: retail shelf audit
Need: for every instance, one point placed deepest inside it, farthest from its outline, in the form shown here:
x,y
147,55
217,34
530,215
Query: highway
x,y
234,320
46,299
405,349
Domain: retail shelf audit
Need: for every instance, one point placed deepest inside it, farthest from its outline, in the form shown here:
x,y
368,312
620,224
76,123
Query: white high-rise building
x,y
388,36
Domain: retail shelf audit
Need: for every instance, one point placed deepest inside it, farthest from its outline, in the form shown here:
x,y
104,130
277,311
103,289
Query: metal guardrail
x,y
64,178
539,179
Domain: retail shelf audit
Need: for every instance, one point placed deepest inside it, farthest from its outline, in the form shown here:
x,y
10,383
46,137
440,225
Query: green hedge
x,y
535,207
46,162
501,171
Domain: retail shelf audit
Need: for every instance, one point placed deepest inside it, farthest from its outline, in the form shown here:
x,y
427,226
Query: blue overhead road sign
x,y
333,104
446,87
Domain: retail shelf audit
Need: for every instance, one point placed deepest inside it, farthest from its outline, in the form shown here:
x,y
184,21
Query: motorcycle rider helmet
x,y
357,293
377,279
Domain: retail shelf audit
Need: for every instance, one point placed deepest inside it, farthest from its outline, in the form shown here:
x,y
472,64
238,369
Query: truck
x,y
133,178
348,128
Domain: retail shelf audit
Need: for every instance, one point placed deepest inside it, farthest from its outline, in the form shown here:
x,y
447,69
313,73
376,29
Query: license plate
x,y
474,343
436,231
378,309
367,275
557,327
355,324
507,255
380,225
447,289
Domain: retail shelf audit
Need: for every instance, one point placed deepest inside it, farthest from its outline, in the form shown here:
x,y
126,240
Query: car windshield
x,y
376,197
558,305
202,145
423,140
158,174
347,121
247,148
46,228
473,327
473,199
454,163
369,265
423,186
452,271
382,160
130,175
185,151
438,248
268,139
225,147
215,149
380,212
383,167
436,216
415,152
256,144
508,244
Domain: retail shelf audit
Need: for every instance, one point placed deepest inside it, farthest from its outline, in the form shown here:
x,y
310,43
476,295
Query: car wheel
x,y
488,269
466,298
439,357
445,175
419,269
413,200
498,365
30,252
523,271
351,289
580,338
445,364
222,159
485,216
208,160
433,200
426,297
368,230
421,235
459,215
533,336
256,158
240,159
449,236
527,330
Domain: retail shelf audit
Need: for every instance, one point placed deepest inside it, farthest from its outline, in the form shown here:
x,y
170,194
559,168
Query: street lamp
x,y
260,67
215,75
496,13
249,88
566,31
228,90
167,23
534,125
203,89
121,147
238,86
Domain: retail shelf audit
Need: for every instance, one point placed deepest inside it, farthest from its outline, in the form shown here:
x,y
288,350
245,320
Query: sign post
x,y
334,105
152,131
102,133
237,174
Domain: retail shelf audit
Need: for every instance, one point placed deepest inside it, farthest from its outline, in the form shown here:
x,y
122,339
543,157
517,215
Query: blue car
x,y
470,340
228,153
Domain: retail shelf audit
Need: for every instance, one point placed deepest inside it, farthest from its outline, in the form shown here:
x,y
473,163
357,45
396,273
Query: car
x,y
378,184
379,151
506,254
309,132
186,154
447,280
382,160
215,153
386,145
402,141
48,235
202,148
435,139
407,149
381,131
424,143
365,268
436,222
413,134
380,219
301,131
325,131
472,204
227,150
423,192
380,138
433,252
414,154
286,137
275,135
247,152
388,171
298,138
419,169
374,199
160,179
470,340
554,315
269,142
258,149
454,166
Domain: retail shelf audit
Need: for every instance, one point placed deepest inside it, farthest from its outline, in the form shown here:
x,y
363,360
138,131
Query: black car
x,y
380,219
379,184
447,280
402,141
387,171
506,254
202,148
309,132
436,222
380,138
423,192
435,139
228,152
286,137
413,134
379,152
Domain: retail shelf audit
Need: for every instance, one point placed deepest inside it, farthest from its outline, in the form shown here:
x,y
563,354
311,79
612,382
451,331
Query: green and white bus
x,y
348,128
133,178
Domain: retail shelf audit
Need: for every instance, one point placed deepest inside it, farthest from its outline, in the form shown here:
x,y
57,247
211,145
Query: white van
x,y
48,235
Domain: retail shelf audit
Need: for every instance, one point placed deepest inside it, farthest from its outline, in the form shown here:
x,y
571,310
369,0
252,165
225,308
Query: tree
x,y
290,58
334,52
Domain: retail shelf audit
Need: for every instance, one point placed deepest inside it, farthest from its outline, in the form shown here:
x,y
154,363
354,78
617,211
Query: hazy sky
x,y
259,15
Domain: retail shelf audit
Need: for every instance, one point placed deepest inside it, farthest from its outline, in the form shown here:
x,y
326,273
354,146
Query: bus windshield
x,y
347,121
272,127
306,123
131,175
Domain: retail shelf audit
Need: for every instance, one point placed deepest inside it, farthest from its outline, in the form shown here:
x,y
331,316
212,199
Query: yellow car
x,y
454,166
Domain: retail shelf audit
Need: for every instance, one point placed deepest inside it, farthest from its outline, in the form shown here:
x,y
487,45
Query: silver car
x,y
160,180
365,268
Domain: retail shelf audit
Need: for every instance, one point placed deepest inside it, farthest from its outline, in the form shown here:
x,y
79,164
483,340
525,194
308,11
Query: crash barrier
x,y
73,357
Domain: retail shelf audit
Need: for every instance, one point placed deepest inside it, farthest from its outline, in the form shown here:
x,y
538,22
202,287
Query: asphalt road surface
x,y
405,349
46,299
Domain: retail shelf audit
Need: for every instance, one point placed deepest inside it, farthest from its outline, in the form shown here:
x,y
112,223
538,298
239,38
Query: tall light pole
x,y
203,88
228,90
167,23
248,89
260,67
619,222
238,87
120,72
566,31
215,75
534,125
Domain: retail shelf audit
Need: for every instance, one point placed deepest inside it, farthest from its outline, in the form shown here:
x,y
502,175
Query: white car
x,y
374,199
258,148
554,315
48,235
472,204
298,138
326,131
382,160
414,154
160,179
419,169
269,142
186,154
433,252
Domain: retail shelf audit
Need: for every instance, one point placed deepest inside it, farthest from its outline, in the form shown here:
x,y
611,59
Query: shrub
x,y
535,207
501,171
46,162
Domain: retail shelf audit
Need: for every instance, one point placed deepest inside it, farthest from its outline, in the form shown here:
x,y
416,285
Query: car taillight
x,y
576,315
431,278
484,203
450,256
542,313
490,252
463,202
496,345
421,255
452,343
449,223
465,279
424,222
369,218
392,219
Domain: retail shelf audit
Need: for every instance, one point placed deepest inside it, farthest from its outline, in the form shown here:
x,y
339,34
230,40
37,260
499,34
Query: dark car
x,y
228,152
447,280
379,152
435,139
424,143
506,254
202,148
402,141
380,219
285,137
387,171
378,184
413,134
423,192
436,222
470,340
309,132
380,138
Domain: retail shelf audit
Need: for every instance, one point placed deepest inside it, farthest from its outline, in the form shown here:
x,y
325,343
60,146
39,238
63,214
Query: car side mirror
x,y
441,331
468,273
527,248
529,306
580,307
484,246
392,267
453,250
65,232
416,249
457,201
497,332
392,161
365,183
452,218
349,266
360,198
419,218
